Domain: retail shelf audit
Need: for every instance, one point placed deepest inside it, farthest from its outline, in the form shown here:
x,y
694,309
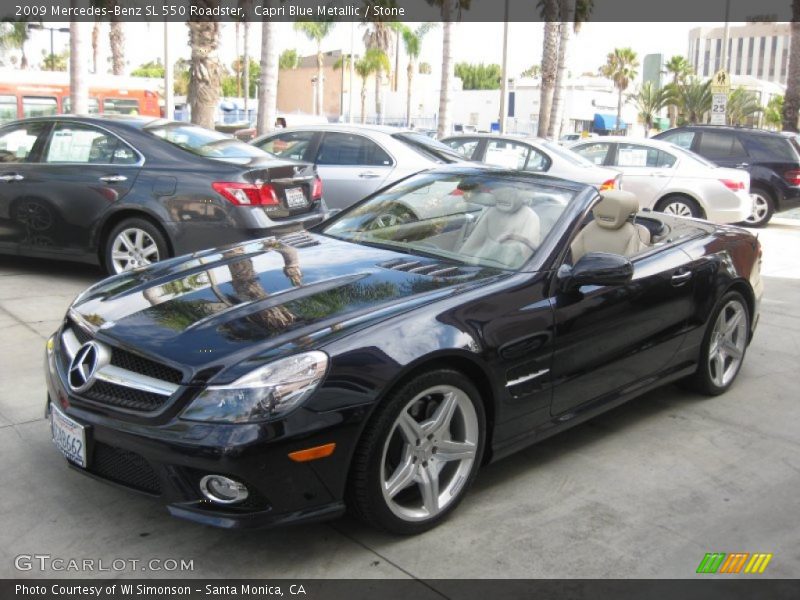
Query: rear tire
x,y
680,206
134,242
418,454
724,346
763,208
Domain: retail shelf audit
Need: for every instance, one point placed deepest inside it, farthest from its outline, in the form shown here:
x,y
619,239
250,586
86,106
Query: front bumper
x,y
166,458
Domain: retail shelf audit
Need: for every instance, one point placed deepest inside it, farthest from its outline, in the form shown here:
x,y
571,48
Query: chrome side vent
x,y
422,268
298,240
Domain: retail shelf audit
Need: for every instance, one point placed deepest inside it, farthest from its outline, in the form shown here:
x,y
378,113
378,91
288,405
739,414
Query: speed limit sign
x,y
719,106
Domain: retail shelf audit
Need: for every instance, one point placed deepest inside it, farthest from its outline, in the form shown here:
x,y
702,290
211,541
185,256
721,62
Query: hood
x,y
265,297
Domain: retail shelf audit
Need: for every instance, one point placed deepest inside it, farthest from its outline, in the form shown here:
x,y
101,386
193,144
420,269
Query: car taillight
x,y
792,177
609,184
246,194
733,185
316,190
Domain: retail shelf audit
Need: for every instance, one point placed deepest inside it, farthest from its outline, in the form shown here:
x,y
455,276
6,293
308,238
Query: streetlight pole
x,y
725,36
504,77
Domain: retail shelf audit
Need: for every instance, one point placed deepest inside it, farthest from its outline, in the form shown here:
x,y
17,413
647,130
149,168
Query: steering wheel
x,y
513,237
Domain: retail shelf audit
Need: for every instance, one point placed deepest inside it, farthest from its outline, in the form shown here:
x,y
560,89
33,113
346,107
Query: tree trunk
x,y
549,65
268,78
378,103
116,38
95,45
205,72
408,93
447,72
246,70
619,111
560,90
78,87
363,101
320,76
791,101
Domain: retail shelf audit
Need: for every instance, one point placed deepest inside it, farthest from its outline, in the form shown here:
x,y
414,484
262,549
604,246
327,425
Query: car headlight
x,y
268,392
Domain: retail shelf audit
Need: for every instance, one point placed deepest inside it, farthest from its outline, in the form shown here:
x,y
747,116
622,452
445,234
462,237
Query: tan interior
x,y
611,230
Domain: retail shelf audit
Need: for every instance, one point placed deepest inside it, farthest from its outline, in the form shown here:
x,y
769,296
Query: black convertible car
x,y
376,363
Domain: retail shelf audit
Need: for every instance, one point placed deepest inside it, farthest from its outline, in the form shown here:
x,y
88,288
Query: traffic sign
x,y
721,82
719,106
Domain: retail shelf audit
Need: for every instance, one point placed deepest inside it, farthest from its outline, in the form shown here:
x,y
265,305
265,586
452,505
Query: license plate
x,y
68,436
295,198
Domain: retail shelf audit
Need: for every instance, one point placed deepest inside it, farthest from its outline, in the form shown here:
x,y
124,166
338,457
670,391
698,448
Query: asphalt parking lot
x,y
643,491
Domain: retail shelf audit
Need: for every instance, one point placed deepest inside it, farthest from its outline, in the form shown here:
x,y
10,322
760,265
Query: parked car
x,y
534,155
668,178
771,159
282,121
568,138
356,160
378,367
124,192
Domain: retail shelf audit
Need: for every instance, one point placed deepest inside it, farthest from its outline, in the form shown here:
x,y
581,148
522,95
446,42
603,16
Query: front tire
x,y
134,243
724,346
419,454
680,206
763,208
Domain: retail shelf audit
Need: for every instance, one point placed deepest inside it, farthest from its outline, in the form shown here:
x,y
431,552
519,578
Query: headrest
x,y
614,208
508,199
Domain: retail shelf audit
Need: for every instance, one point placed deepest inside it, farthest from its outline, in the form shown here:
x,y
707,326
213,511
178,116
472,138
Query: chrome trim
x,y
528,377
125,378
81,320
443,270
70,343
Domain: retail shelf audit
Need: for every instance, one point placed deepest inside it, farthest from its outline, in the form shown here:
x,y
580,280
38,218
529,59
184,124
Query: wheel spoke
x,y
123,239
719,367
732,323
732,350
409,428
429,488
150,250
440,422
139,243
403,477
449,450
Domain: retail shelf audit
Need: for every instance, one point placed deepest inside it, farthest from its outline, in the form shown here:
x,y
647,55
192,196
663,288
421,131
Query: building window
x,y
751,49
717,56
773,56
762,57
785,58
728,56
739,49
706,63
697,56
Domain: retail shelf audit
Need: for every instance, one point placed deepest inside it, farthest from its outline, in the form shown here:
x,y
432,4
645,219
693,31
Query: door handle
x,y
11,177
114,178
680,278
742,165
658,174
368,175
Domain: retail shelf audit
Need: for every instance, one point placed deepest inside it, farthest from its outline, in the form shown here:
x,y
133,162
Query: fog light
x,y
222,490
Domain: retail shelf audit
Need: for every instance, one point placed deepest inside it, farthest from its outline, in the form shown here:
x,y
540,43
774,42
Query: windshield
x,y
429,147
568,155
204,142
477,219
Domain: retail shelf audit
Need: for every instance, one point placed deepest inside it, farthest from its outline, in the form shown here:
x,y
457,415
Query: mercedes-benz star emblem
x,y
84,366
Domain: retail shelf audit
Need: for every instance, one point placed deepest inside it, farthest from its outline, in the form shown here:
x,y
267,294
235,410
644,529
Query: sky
x,y
472,42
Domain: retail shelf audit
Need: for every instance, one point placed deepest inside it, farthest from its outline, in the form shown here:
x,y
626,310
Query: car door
x,y
722,147
612,339
646,171
83,171
20,147
351,167
598,153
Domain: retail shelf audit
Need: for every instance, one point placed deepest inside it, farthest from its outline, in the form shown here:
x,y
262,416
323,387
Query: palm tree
x,y
374,61
116,38
773,114
549,11
791,102
316,31
447,9
14,36
649,101
78,85
205,71
412,40
288,59
742,104
681,69
268,78
620,67
379,34
694,99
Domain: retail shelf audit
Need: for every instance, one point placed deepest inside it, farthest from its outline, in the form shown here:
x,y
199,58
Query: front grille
x,y
124,467
82,335
144,366
124,397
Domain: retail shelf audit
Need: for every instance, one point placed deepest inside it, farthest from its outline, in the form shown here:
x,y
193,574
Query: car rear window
x,y
204,142
568,155
771,149
429,147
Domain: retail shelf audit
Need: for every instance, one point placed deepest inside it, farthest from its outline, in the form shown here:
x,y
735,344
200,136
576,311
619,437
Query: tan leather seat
x,y
611,231
508,231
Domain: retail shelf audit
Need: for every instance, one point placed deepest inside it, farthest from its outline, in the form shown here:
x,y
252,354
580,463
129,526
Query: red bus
x,y
42,93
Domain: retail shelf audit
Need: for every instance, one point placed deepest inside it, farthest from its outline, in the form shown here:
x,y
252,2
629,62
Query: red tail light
x,y
792,177
316,190
609,184
734,186
246,194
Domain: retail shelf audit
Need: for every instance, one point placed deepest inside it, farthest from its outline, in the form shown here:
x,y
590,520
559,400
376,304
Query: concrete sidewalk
x,y
643,491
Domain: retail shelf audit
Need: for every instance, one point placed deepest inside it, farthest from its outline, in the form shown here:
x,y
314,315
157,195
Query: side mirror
x,y
596,268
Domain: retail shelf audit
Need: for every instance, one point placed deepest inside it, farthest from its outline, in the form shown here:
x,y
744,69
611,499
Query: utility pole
x,y
504,76
169,95
725,37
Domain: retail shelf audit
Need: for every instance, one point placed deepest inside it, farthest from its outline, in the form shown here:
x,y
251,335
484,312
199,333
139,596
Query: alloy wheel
x,y
133,247
679,209
728,341
760,209
429,453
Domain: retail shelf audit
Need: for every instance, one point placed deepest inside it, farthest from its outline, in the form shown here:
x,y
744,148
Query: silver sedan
x,y
353,161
